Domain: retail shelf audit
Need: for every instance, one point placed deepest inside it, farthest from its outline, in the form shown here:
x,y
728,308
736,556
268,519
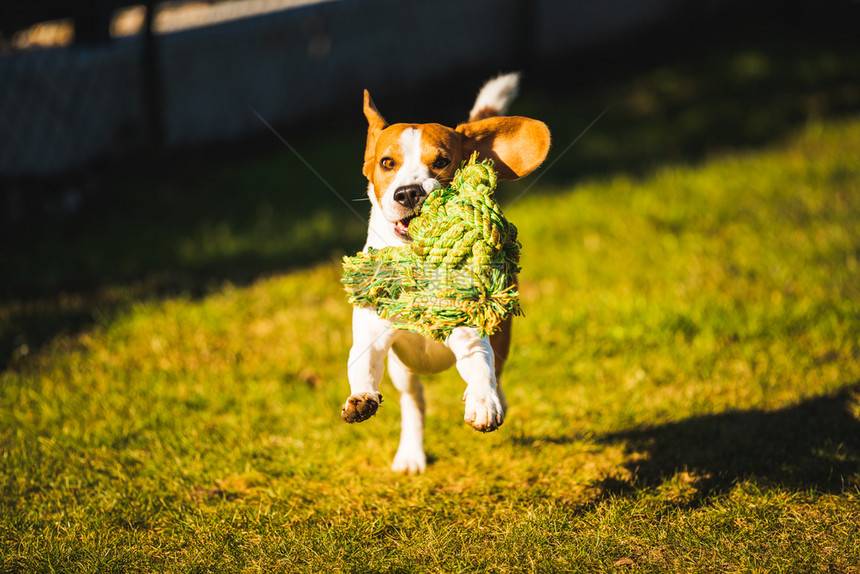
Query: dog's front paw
x,y
360,407
484,410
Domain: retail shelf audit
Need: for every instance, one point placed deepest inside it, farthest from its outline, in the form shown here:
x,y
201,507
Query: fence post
x,y
152,91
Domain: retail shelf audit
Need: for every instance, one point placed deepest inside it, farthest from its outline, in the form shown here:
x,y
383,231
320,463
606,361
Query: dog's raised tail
x,y
495,97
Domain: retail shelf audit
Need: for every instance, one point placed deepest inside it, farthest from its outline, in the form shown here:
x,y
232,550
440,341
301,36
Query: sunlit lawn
x,y
684,390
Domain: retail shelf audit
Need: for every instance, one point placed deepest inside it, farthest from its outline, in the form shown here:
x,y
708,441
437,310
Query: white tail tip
x,y
495,97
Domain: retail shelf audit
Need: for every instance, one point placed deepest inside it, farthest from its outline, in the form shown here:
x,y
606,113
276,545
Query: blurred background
x,y
167,147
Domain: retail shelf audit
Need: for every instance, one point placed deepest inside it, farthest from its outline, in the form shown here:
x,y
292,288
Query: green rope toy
x,y
459,270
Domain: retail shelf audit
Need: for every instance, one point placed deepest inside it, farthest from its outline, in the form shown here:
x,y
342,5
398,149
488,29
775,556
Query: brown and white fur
x,y
403,164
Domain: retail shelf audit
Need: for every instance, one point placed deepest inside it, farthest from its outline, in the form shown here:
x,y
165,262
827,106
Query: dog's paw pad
x,y
360,407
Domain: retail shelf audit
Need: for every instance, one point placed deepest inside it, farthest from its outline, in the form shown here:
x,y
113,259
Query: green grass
x,y
684,388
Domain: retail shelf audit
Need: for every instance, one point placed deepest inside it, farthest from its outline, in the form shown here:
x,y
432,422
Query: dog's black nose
x,y
410,195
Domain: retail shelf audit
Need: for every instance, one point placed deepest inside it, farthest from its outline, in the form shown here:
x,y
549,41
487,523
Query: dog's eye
x,y
441,163
387,163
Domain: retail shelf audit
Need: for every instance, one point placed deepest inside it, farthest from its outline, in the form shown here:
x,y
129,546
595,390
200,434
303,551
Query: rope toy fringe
x,y
458,271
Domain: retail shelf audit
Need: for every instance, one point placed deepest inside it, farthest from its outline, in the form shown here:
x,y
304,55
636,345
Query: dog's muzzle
x,y
411,197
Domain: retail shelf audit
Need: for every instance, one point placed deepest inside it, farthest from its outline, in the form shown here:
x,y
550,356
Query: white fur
x,y
430,185
497,94
412,170
410,456
380,232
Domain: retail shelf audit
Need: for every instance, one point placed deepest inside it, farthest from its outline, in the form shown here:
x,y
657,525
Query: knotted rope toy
x,y
459,270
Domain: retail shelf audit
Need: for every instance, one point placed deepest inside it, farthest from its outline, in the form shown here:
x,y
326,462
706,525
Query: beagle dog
x,y
403,163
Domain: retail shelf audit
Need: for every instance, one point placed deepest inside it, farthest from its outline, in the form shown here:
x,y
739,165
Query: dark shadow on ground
x,y
812,445
195,221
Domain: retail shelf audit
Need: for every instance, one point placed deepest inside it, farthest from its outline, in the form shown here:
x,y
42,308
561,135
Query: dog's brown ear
x,y
516,145
375,125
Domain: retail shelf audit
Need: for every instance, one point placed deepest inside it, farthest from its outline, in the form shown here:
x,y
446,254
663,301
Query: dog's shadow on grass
x,y
812,445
